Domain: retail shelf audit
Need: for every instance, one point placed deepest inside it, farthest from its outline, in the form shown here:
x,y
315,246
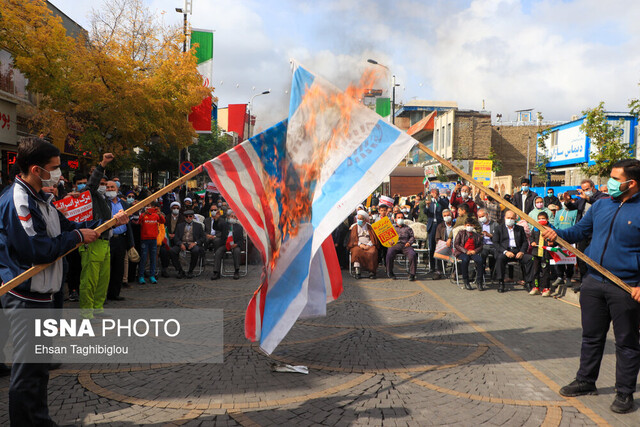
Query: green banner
x,y
383,106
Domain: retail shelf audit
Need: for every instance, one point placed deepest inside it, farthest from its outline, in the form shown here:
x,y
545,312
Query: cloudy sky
x,y
556,56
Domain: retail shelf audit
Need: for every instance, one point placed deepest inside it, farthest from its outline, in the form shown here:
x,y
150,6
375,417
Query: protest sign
x,y
385,231
77,209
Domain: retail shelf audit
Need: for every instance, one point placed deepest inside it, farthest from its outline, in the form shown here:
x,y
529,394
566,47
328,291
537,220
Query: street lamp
x,y
393,89
266,92
184,153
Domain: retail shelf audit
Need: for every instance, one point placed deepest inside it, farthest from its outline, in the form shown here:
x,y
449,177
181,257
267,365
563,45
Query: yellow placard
x,y
482,171
368,202
385,231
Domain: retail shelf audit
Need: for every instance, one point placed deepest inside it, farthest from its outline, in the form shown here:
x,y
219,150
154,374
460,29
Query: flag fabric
x,y
292,185
200,116
560,255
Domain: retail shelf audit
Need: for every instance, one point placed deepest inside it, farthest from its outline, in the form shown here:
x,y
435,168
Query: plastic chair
x,y
226,272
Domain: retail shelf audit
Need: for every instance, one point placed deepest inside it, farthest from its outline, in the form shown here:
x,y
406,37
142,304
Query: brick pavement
x,y
388,353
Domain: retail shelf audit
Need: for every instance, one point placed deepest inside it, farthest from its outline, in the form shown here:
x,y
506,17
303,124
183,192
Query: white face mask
x,y
483,219
539,205
469,228
400,221
509,222
175,211
111,194
54,177
447,218
102,189
464,194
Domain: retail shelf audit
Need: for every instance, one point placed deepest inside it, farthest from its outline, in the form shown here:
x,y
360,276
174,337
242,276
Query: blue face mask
x,y
81,187
525,188
130,200
118,184
614,187
360,222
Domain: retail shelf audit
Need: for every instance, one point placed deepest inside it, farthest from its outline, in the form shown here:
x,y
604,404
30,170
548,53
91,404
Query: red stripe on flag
x,y
333,266
258,185
25,218
250,231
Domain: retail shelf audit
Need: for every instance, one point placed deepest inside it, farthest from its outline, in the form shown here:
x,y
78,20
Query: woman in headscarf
x,y
363,245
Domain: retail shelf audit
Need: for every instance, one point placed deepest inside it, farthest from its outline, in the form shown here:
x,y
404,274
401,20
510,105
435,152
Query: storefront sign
x,y
8,123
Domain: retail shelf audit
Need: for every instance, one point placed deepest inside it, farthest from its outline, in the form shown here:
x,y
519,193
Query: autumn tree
x,y
111,89
607,140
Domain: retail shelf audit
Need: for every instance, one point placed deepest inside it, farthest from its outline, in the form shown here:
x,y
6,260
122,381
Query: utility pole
x,y
186,10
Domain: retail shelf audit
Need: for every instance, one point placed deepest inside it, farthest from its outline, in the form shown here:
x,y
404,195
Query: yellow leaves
x,y
127,81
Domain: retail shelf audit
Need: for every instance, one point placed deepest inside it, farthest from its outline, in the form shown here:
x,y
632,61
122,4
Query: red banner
x,y
200,116
237,119
76,209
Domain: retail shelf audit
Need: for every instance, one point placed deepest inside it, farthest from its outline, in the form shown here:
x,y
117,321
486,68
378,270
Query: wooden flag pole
x,y
600,269
27,274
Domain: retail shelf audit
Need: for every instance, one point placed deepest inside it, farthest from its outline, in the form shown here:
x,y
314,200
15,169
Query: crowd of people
x,y
471,226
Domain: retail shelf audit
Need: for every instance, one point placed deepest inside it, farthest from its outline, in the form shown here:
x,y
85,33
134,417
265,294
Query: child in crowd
x,y
149,221
541,259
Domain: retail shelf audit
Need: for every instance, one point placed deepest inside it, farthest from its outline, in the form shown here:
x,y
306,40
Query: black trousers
x,y
542,271
165,256
196,252
118,247
600,303
75,268
28,387
564,270
488,251
466,259
526,261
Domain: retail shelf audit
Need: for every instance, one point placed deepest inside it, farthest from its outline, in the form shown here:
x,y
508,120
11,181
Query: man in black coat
x,y
511,244
232,241
525,198
550,198
434,206
189,237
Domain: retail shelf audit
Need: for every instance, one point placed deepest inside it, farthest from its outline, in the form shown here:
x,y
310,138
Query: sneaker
x,y
623,403
546,292
558,281
73,296
535,291
153,280
142,281
578,388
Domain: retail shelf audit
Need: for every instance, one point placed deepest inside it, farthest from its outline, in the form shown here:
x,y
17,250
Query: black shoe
x,y
528,286
164,273
391,276
5,371
372,276
116,298
236,275
467,285
181,274
126,285
623,403
216,275
73,296
190,275
578,388
480,286
436,276
412,277
501,287
357,276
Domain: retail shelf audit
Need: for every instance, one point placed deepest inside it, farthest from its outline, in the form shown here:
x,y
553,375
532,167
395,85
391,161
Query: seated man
x,y
171,224
212,229
405,241
488,230
363,245
511,244
444,232
467,247
233,235
189,237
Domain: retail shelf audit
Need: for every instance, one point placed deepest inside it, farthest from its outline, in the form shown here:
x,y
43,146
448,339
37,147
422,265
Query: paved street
x,y
388,353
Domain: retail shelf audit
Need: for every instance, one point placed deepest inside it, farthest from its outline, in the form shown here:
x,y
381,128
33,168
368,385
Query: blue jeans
x,y
148,247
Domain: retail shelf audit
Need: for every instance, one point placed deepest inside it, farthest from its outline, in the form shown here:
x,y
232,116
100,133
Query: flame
x,y
327,120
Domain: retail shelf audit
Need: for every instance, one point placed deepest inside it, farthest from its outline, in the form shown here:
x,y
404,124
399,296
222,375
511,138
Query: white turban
x,y
188,199
364,214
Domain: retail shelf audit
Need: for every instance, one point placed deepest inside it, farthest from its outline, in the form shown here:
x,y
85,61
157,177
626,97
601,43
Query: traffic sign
x,y
186,167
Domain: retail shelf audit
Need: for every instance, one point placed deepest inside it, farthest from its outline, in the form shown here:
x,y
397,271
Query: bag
x,y
133,255
442,251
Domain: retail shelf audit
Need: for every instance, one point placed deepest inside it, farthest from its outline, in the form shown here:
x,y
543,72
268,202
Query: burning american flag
x,y
293,184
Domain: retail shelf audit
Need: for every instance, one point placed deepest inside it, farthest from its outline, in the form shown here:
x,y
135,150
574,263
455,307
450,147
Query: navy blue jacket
x,y
33,231
615,243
